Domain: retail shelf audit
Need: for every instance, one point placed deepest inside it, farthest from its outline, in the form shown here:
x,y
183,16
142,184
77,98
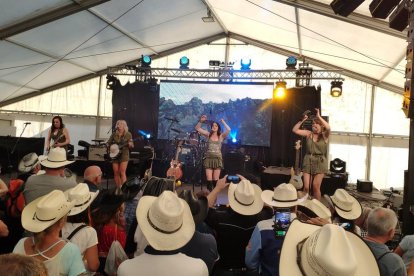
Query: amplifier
x,y
364,186
97,153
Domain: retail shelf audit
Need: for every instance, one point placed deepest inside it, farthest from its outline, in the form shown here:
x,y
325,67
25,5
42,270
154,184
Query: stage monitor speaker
x,y
399,18
345,7
364,186
97,153
382,8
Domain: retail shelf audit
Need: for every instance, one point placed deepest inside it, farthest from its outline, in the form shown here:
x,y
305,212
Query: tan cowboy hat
x,y
45,211
284,195
244,198
81,196
346,206
313,250
318,208
28,162
165,221
56,159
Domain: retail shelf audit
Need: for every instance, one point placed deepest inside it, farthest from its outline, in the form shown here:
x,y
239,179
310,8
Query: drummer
x,y
213,162
120,142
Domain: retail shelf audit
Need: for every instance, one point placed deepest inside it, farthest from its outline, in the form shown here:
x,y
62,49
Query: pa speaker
x,y
399,18
345,7
382,8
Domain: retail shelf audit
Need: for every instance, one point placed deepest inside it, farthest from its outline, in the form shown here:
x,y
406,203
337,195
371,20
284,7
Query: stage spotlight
x,y
336,88
145,61
111,82
184,62
337,166
291,63
245,63
279,92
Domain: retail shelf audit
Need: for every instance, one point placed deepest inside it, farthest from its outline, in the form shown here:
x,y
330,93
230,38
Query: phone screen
x,y
233,179
282,221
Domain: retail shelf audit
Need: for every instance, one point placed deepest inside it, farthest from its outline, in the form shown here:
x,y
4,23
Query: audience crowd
x,y
69,228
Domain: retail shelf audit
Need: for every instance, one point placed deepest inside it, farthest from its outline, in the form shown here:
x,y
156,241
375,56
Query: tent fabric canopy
x,y
83,44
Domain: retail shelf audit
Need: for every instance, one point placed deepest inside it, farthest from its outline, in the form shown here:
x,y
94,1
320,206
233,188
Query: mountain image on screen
x,y
249,119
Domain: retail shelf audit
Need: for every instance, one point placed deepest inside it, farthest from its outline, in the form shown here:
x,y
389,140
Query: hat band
x,y
244,204
39,219
280,200
56,161
161,230
84,203
342,209
35,161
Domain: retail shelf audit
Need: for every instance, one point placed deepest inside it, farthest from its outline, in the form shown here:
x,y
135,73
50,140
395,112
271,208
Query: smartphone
x,y
235,179
282,221
345,225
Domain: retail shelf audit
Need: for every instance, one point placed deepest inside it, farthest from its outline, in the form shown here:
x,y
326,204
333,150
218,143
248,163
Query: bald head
x,y
93,174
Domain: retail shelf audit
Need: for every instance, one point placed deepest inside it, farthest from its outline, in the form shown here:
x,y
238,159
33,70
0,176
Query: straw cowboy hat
x,y
244,198
198,206
28,162
45,211
328,250
81,196
56,159
318,208
346,206
165,221
284,195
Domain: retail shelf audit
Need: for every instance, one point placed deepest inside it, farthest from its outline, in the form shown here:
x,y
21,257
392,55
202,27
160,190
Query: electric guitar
x,y
175,165
295,173
54,141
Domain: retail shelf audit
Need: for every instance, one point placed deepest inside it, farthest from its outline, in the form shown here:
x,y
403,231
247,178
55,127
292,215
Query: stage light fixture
x,y
336,88
291,63
399,18
209,18
111,82
382,8
279,92
345,7
184,62
337,166
145,61
245,63
214,63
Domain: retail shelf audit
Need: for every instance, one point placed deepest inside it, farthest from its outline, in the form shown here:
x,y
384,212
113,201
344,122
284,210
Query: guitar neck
x,y
297,162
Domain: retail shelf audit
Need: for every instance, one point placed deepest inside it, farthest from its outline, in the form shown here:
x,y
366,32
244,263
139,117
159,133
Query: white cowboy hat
x,y
318,208
166,221
82,197
28,162
346,206
244,198
328,250
45,211
56,159
284,195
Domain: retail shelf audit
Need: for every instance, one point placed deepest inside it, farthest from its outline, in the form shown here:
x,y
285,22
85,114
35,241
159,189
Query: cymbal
x,y
176,130
171,119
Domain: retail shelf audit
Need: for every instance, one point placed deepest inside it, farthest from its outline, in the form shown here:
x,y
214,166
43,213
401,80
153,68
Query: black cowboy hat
x,y
198,206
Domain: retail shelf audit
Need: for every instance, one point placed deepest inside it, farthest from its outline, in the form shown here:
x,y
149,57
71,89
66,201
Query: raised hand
x,y
203,118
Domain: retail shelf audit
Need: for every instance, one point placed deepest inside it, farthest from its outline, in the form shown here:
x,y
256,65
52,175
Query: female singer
x,y
315,164
58,135
213,162
123,139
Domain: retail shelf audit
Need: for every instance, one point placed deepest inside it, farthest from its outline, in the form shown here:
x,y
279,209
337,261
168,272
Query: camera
x,y
233,179
282,221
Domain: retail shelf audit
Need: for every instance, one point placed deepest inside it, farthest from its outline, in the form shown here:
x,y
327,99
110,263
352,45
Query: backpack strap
x,y
76,231
380,257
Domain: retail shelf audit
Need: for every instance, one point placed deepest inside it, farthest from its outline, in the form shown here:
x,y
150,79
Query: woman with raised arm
x,y
120,142
58,135
213,162
315,163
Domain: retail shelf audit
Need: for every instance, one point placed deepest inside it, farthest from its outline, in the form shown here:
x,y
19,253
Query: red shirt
x,y
107,235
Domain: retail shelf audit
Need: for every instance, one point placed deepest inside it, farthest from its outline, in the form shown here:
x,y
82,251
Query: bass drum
x,y
193,138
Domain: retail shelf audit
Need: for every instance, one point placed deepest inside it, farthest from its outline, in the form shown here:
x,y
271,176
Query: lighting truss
x,y
224,74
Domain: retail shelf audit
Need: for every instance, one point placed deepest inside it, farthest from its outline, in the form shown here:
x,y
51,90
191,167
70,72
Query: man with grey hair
x,y
381,228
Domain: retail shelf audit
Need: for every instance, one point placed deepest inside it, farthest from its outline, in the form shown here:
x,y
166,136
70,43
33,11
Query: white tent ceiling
x,y
47,44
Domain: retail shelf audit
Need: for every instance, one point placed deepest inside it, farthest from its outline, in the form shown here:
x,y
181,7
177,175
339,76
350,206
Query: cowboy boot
x,y
214,183
210,185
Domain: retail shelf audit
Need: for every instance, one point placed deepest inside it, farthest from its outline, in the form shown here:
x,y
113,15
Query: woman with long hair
x,y
315,163
58,135
122,140
213,162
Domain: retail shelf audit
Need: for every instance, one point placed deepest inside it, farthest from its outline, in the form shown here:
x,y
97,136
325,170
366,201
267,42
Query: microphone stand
x,y
14,147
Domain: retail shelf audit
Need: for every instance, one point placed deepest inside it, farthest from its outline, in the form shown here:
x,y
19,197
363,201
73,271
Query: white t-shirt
x,y
407,245
84,238
161,265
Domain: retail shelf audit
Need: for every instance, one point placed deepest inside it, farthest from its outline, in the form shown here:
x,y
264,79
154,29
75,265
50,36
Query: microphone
x,y
27,123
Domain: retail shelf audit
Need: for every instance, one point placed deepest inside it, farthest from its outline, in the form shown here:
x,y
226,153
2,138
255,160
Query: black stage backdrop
x,y
137,104
285,114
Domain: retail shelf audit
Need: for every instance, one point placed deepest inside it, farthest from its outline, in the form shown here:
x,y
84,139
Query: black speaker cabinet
x,y
364,186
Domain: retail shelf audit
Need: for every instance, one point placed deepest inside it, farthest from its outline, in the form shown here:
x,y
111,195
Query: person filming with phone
x,y
264,247
234,222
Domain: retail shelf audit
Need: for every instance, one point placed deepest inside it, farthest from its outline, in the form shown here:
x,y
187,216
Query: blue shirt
x,y
389,264
407,245
263,250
